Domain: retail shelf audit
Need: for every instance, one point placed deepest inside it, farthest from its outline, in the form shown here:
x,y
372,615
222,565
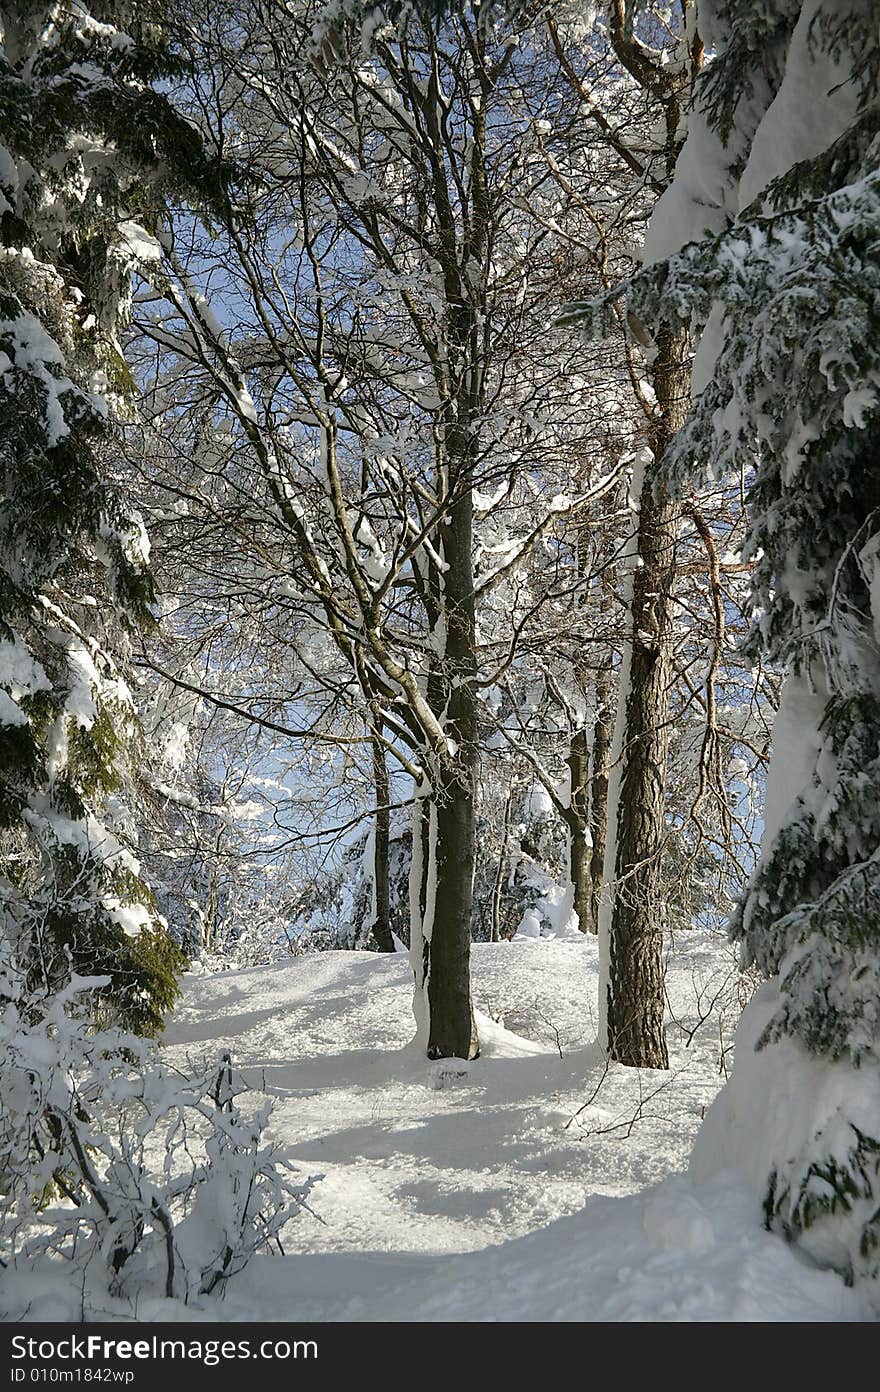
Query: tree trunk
x,y
498,887
453,1031
462,240
442,877
635,987
577,822
381,924
601,758
581,846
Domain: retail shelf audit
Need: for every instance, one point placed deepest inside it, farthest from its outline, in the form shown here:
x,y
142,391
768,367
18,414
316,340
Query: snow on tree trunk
x,y
380,916
440,908
599,768
573,808
443,859
580,860
452,1030
578,813
422,903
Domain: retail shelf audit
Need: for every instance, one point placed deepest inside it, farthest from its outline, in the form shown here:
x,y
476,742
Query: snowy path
x,y
419,1167
413,1162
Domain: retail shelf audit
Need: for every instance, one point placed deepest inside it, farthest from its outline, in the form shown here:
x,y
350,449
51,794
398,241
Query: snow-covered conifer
x,y
85,141
782,170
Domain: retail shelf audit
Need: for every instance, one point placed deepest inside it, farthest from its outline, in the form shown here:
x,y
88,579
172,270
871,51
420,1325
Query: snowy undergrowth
x,y
532,1184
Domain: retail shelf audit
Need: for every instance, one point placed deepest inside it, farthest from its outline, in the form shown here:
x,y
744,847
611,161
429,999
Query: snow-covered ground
x,y
532,1184
536,1183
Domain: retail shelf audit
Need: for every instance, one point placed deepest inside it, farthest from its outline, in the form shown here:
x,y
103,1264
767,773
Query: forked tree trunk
x,y
635,987
446,936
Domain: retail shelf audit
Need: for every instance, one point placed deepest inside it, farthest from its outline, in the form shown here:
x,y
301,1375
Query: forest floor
x,y
535,1183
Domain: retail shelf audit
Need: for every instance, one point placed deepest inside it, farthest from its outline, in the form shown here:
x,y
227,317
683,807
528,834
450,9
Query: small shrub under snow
x,y
143,1180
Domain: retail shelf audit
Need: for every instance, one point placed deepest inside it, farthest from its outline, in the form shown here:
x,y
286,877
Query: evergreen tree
x,y
782,168
87,144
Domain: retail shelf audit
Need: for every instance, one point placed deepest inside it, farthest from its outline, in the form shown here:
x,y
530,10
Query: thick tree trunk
x,y
635,991
461,245
381,924
636,988
453,1031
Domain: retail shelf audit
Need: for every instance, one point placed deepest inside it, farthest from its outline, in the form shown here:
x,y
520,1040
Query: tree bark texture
x,y
636,995
453,1032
